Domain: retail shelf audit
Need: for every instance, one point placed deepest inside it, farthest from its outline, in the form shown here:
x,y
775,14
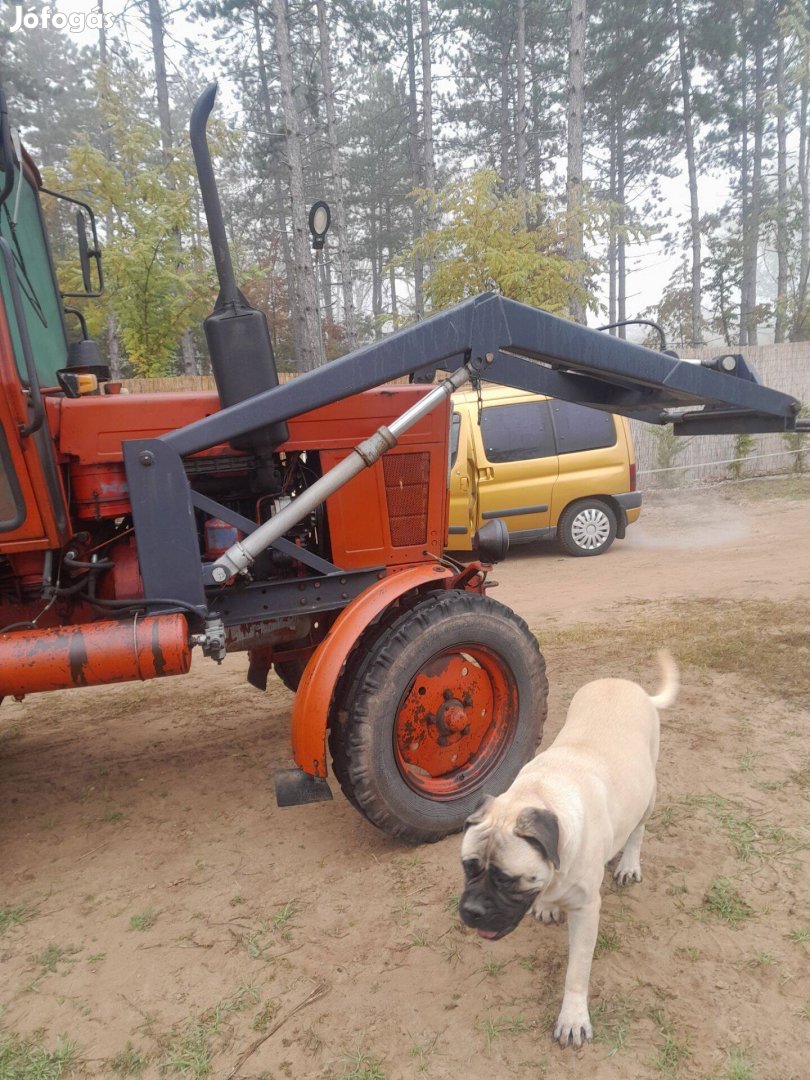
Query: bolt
x,y
146,457
219,574
448,694
467,701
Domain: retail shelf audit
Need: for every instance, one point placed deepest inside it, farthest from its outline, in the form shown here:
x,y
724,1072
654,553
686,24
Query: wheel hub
x,y
454,722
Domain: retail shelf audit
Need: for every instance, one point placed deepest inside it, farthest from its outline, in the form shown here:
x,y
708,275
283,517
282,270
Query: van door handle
x,y
486,473
464,482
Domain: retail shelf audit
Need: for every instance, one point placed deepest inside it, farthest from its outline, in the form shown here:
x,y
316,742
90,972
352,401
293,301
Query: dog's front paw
x,y
573,1024
548,915
627,872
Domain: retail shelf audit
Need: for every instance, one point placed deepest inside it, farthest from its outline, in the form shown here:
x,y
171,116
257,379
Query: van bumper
x,y
629,505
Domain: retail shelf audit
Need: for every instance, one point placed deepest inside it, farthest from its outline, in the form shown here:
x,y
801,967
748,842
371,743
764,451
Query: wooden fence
x,y
663,460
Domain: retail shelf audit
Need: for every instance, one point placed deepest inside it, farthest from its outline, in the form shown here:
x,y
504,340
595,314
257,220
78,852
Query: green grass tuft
x,y
724,901
145,921
24,1059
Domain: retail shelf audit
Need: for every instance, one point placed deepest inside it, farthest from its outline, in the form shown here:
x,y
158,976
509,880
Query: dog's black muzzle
x,y
491,912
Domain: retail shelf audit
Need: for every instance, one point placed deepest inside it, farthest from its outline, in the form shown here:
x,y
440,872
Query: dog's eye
x,y
499,878
472,868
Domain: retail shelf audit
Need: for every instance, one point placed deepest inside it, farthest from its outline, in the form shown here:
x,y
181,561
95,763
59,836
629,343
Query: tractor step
x,y
294,787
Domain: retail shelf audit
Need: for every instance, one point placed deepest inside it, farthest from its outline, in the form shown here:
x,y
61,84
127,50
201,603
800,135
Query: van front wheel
x,y
587,527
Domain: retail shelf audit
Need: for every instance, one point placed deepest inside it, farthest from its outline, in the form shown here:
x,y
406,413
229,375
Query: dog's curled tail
x,y
669,690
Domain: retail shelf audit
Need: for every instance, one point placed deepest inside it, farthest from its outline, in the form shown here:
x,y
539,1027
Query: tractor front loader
x,y
303,523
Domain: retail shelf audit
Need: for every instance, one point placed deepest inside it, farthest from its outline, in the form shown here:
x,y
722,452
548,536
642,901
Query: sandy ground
x,y
160,911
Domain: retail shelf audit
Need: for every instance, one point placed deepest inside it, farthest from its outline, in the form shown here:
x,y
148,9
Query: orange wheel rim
x,y
455,722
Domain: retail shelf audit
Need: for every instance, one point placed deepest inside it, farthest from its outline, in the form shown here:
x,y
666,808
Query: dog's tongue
x,y
488,934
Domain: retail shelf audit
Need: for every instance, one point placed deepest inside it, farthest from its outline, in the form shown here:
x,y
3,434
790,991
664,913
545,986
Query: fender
x,y
310,714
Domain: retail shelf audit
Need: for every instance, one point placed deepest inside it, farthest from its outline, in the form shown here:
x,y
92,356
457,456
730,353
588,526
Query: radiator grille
x,y
406,490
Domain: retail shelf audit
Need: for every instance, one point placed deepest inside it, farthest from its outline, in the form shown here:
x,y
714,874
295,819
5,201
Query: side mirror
x,y
86,253
89,247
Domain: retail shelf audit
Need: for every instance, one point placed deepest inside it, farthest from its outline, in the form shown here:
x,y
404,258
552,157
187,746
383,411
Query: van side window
x,y
455,431
517,432
580,428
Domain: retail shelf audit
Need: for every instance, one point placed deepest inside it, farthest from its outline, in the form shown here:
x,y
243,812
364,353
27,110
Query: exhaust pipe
x,y
238,339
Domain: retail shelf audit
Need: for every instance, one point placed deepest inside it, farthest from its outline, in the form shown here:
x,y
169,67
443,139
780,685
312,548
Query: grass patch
x,y
739,1066
12,916
674,1053
52,956
145,921
801,937
751,837
25,1059
362,1066
128,1062
494,1027
189,1053
607,941
492,968
724,902
759,639
611,1023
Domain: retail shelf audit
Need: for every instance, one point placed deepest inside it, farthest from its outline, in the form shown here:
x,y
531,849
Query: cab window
x,y
21,226
517,432
579,428
11,503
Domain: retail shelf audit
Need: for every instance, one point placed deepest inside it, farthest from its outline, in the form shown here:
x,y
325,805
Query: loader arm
x,y
526,348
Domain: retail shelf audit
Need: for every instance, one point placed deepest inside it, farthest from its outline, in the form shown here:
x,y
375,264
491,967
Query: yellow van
x,y
549,469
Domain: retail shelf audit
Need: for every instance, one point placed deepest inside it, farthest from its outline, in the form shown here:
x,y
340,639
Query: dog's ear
x,y
480,812
542,830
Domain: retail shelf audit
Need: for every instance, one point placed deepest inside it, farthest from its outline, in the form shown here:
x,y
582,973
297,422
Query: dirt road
x,y
160,913
720,543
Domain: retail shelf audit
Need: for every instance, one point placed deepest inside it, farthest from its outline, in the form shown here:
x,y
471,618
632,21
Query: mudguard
x,y
315,691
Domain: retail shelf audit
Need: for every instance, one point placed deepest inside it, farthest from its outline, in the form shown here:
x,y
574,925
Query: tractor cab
x,y
35,354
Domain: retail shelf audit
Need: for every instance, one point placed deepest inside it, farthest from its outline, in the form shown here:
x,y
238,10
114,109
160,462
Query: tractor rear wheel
x,y
446,702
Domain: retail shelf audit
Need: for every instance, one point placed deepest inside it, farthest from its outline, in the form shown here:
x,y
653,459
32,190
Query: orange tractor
x,y
303,523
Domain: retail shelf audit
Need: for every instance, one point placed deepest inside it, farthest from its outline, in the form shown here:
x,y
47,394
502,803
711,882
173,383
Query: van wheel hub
x,y
590,528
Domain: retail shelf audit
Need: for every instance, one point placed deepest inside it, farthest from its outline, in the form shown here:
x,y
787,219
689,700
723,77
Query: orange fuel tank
x,y
89,654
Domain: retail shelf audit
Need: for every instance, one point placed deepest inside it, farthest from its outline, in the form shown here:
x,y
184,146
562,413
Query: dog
x,y
544,843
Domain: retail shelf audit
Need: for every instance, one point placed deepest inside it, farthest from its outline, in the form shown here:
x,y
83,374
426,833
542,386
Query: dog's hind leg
x,y
629,868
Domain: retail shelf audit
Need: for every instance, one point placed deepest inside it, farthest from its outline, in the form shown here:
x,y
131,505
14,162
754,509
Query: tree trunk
x,y
621,268
689,138
745,223
415,160
427,96
781,191
612,232
755,205
504,139
162,86
576,101
799,313
307,313
293,292
156,27
522,153
339,217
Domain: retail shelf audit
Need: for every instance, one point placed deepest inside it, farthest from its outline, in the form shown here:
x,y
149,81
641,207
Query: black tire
x,y
290,672
485,653
586,527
